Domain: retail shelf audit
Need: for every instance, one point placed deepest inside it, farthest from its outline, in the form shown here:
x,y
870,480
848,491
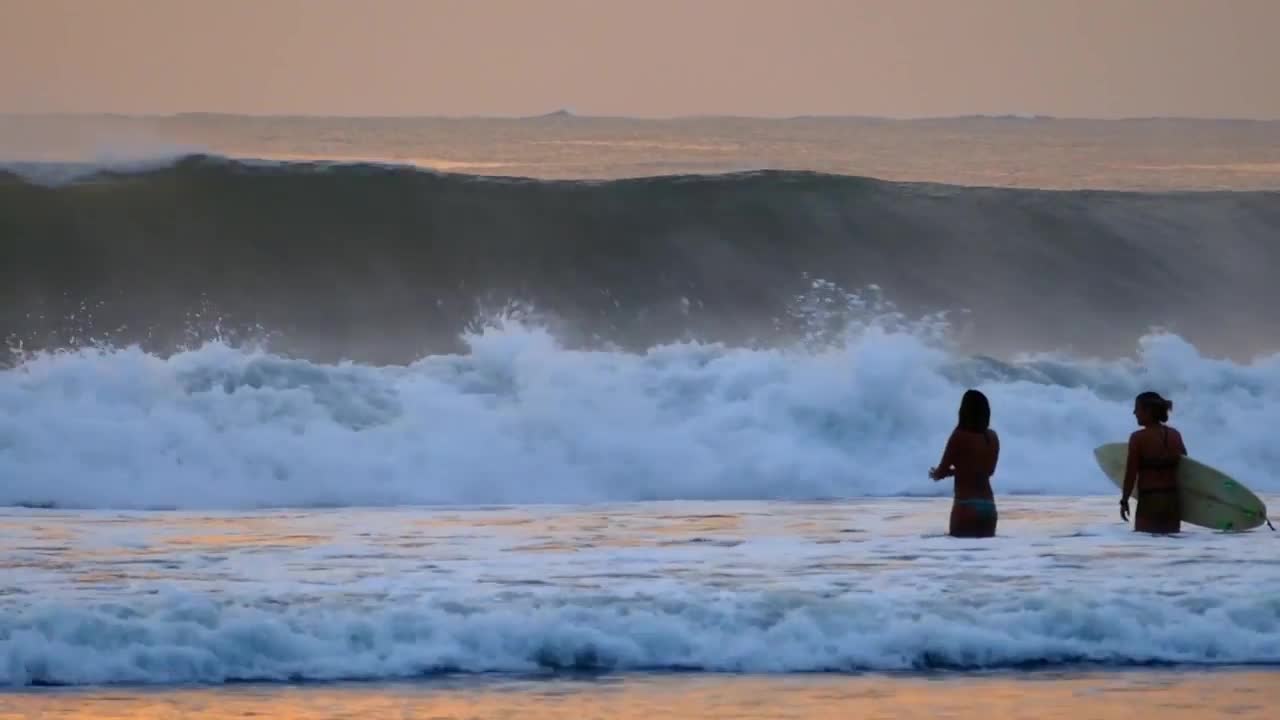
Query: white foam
x,y
105,596
193,639
520,419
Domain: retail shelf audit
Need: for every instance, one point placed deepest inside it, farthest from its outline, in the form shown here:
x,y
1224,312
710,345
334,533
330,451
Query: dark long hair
x,y
975,412
1156,405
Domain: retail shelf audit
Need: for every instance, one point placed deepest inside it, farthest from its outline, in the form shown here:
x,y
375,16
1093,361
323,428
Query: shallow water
x,y
1175,696
772,588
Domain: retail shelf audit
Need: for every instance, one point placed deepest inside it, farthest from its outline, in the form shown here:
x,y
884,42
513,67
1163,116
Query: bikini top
x,y
1160,463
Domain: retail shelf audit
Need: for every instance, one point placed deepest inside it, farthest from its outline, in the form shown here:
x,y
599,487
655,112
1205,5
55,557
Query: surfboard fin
x,y
1273,527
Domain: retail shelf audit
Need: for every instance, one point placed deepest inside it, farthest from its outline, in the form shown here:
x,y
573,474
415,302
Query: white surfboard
x,y
1209,497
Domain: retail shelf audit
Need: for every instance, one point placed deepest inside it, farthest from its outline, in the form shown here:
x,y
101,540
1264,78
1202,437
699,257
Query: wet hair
x,y
1156,405
975,412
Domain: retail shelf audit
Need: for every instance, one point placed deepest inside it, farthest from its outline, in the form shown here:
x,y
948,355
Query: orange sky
x,y
1098,58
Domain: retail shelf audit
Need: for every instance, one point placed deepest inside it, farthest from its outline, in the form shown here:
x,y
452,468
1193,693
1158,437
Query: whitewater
x,y
518,418
739,587
285,432
224,514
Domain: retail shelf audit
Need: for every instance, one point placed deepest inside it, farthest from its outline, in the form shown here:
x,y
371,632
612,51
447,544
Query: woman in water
x,y
970,457
1152,468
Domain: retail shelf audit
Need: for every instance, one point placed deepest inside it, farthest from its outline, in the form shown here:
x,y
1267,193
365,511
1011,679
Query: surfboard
x,y
1209,497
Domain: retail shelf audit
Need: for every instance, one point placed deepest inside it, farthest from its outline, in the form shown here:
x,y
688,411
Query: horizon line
x,y
567,114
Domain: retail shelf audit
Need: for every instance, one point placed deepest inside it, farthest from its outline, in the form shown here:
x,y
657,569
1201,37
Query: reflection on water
x,y
1123,696
869,543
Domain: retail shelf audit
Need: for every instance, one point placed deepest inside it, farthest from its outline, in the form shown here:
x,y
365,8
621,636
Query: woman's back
x,y
974,455
970,457
1154,452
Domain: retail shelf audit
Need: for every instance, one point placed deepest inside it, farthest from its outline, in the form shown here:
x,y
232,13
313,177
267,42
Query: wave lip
x,y
197,640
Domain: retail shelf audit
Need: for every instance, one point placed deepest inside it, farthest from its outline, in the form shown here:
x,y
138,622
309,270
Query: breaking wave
x,y
380,263
198,639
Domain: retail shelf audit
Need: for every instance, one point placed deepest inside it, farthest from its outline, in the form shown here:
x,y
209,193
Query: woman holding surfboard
x,y
1155,460
970,456
1152,468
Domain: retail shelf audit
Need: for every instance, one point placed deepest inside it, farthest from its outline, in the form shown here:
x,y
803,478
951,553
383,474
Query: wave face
x,y
385,264
519,418
199,639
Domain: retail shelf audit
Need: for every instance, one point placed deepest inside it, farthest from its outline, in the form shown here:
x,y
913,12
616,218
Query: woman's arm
x,y
995,451
945,466
1130,469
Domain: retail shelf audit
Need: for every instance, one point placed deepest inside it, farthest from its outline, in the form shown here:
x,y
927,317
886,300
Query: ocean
x,y
339,417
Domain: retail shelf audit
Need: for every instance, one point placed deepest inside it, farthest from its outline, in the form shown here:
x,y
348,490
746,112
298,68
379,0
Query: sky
x,y
643,58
